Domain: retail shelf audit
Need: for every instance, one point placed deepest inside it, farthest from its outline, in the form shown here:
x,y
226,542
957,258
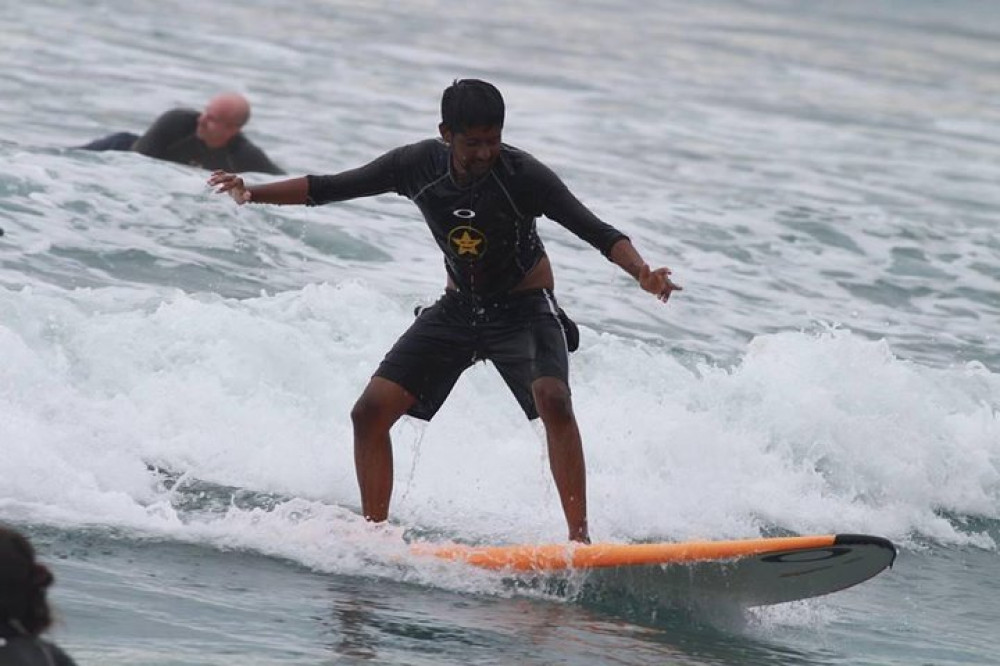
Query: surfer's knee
x,y
380,405
363,412
370,412
552,398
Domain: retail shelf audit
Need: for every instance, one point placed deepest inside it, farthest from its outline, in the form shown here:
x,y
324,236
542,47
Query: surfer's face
x,y
218,124
474,151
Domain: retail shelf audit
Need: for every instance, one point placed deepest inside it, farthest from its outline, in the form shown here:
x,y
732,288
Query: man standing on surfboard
x,y
480,198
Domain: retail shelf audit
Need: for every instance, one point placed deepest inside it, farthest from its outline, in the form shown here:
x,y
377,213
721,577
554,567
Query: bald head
x,y
222,119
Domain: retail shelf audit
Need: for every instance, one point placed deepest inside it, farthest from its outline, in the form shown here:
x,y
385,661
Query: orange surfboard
x,y
748,571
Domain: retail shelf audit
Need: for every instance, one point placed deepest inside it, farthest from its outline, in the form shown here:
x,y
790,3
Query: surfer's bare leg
x,y
555,407
379,407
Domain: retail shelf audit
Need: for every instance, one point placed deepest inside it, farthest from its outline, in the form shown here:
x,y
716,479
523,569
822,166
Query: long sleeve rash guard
x,y
486,229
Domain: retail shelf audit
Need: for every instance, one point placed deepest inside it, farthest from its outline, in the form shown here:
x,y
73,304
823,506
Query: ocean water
x,y
177,372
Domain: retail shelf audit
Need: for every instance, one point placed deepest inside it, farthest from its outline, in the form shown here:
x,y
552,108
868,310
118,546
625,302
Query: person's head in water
x,y
472,115
223,117
23,584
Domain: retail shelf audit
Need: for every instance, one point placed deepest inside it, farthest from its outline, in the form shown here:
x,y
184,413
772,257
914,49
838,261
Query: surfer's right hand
x,y
224,182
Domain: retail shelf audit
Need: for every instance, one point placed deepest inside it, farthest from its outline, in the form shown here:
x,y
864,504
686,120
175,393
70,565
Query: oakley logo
x,y
464,213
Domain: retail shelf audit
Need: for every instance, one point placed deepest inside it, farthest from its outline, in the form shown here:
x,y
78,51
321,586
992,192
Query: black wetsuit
x,y
17,649
487,232
173,138
486,229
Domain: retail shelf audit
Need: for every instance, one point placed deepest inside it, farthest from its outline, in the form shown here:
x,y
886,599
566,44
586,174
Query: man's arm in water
x,y
168,129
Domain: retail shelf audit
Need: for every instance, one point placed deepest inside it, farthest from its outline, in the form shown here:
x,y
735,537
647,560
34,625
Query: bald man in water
x,y
211,139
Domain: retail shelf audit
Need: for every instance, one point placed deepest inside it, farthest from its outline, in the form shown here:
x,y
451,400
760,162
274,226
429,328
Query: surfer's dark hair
x,y
471,103
23,582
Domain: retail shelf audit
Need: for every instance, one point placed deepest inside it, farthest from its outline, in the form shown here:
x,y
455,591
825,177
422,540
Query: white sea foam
x,y
824,432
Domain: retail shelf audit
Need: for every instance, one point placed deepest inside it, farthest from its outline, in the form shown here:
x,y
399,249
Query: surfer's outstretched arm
x,y
288,192
656,282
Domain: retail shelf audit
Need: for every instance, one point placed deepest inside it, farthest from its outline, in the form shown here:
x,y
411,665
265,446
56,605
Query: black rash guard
x,y
172,137
486,229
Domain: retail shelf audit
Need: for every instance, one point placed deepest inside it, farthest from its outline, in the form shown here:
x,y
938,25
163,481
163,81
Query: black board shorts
x,y
524,335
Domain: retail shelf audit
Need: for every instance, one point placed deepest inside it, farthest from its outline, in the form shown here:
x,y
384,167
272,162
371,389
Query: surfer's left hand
x,y
657,282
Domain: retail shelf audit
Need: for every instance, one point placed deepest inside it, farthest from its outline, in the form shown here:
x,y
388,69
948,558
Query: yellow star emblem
x,y
466,244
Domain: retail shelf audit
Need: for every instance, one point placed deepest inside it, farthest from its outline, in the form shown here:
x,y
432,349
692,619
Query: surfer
x,y
480,198
210,139
24,610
